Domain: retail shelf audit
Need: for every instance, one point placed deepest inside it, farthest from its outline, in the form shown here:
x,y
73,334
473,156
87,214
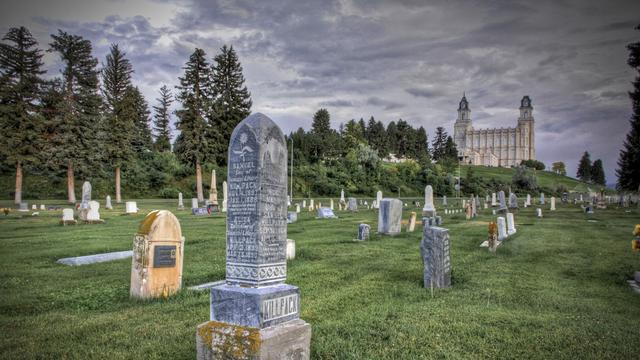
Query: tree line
x,y
91,120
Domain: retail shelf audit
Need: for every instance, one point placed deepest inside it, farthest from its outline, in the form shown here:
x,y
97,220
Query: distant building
x,y
495,147
391,158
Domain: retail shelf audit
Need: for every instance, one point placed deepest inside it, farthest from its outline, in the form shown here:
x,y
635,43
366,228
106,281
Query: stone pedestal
x,y
217,340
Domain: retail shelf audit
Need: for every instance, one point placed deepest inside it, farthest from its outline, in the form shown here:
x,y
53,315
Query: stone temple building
x,y
495,147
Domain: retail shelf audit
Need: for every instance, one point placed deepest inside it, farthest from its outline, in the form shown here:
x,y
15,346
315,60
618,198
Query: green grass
x,y
545,179
556,290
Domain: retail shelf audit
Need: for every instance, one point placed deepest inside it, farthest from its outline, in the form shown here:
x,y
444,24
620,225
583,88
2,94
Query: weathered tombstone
x,y
180,202
107,203
539,212
553,204
502,206
468,211
390,217
434,249
502,229
528,202
331,204
292,217
291,249
378,199
224,196
511,224
513,201
541,198
311,205
131,207
298,208
363,232
200,211
474,209
412,222
194,203
34,207
326,213
304,204
353,204
429,209
86,195
493,200
444,200
158,248
213,190
255,315
23,207
487,198
93,213
67,217
342,201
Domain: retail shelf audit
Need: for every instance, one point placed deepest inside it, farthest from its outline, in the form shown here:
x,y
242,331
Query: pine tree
x,y
77,128
629,161
231,101
422,146
450,150
192,145
584,168
439,143
405,139
392,135
597,173
20,85
116,81
377,137
161,124
142,141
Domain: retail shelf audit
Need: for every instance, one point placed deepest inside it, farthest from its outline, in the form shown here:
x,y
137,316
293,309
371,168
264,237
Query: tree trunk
x,y
118,197
70,183
199,181
18,194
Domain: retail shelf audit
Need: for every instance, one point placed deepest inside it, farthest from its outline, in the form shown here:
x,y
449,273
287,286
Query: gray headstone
x,y
200,211
502,206
97,258
24,207
107,203
434,249
86,195
326,213
390,217
254,294
363,232
352,204
429,209
502,229
513,201
511,224
292,217
180,201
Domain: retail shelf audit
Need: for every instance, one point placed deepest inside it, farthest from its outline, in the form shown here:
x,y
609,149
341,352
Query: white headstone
x,y
429,209
511,224
194,203
180,201
541,198
342,200
378,199
291,249
67,215
131,207
331,204
224,196
493,200
502,229
86,195
42,207
553,204
444,200
34,207
94,213
539,212
298,208
107,203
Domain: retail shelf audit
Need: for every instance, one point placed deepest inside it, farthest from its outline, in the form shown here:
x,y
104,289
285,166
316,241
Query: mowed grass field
x,y
555,290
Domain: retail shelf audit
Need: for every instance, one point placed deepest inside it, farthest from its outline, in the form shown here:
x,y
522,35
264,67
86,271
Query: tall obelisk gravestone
x,y
255,301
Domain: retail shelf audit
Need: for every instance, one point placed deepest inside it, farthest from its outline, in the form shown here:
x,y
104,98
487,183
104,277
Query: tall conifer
x,y
161,123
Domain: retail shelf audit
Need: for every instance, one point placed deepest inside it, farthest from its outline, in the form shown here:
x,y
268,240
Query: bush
x,y
169,193
533,164
524,180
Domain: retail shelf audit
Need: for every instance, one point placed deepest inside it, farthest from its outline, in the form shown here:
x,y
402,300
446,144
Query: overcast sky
x,y
408,59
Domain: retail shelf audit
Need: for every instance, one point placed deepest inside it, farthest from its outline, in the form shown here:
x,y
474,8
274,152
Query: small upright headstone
x,y
511,224
353,204
378,199
342,200
502,207
42,207
541,198
493,200
528,202
553,204
67,217
412,222
390,217
34,207
158,248
304,204
331,204
291,249
502,229
429,209
513,201
93,213
180,202
444,200
434,249
297,208
107,203
363,232
194,203
292,217
224,196
539,212
23,207
86,195
131,207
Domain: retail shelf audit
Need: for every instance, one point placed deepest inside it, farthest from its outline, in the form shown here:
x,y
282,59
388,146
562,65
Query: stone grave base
x,y
99,221
218,340
68,222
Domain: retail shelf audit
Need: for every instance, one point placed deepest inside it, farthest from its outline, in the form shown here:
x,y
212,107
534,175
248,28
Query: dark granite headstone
x,y
352,204
502,206
200,211
363,232
434,249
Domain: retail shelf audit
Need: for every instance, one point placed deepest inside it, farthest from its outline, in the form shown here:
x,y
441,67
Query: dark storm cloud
x,y
407,59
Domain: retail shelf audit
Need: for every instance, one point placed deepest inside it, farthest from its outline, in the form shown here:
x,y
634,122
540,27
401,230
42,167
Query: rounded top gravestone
x,y
257,204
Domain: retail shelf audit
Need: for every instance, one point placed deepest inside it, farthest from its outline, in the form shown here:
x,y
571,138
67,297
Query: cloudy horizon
x,y
391,60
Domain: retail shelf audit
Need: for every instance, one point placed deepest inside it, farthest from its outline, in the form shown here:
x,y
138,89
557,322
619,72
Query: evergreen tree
x,y
161,124
392,136
439,143
119,120
597,173
377,137
192,146
142,141
321,139
422,146
20,85
353,135
76,141
584,168
231,101
629,161
405,139
450,150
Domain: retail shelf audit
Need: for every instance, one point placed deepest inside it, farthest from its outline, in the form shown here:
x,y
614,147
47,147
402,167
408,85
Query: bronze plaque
x,y
164,256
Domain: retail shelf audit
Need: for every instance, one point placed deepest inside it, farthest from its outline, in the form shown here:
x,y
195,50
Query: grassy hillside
x,y
546,179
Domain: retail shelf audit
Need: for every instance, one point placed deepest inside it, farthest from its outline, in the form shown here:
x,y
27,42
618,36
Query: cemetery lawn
x,y
555,290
